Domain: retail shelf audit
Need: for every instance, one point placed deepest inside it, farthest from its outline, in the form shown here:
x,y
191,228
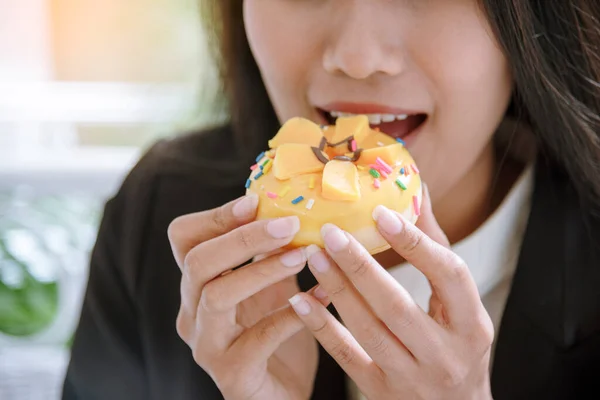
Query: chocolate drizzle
x,y
319,154
318,151
342,158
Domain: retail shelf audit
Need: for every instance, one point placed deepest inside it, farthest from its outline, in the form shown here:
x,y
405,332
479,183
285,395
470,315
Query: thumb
x,y
427,222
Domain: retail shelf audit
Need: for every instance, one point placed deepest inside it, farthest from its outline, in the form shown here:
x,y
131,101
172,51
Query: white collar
x,y
491,251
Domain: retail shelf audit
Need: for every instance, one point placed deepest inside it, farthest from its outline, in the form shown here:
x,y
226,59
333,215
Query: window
x,y
86,87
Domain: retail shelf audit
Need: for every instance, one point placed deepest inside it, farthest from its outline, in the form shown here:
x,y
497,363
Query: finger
x,y
370,332
187,231
210,259
448,274
259,342
226,292
336,340
427,221
389,300
262,256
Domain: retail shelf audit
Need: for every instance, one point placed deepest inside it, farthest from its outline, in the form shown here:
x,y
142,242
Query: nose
x,y
358,48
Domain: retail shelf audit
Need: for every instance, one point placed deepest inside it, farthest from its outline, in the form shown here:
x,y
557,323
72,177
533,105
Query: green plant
x,y
41,237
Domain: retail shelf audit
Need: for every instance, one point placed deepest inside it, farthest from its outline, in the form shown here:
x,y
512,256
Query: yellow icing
x,y
353,215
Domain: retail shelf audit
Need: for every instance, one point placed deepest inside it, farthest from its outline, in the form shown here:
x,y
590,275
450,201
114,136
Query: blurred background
x,y
85,87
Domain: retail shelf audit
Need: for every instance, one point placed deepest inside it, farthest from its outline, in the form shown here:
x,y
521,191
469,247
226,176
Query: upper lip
x,y
366,108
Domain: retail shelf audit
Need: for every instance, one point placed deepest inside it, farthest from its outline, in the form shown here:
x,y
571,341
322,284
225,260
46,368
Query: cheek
x,y
285,49
471,84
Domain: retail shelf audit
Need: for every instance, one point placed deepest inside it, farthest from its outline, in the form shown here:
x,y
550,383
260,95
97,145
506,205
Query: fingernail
x,y
387,220
283,227
317,258
300,305
334,238
245,207
293,258
320,293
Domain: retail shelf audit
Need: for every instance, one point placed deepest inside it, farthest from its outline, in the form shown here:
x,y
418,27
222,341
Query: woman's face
x,y
428,71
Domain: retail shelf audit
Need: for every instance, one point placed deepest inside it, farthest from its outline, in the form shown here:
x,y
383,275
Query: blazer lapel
x,y
554,298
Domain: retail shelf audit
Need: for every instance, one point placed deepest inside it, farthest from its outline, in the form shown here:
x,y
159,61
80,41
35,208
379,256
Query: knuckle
x,y
212,298
175,229
458,271
377,343
342,352
219,219
360,266
245,238
451,374
266,331
199,355
401,312
321,328
191,262
337,290
482,335
182,325
412,241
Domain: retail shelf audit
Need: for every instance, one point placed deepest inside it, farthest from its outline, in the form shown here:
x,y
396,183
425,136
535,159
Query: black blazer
x,y
126,346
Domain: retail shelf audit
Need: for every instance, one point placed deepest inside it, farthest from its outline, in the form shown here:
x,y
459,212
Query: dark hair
x,y
553,47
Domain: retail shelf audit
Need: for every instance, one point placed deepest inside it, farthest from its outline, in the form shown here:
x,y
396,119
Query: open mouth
x,y
398,126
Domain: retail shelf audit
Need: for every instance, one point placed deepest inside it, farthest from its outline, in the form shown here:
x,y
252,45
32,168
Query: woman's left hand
x,y
389,346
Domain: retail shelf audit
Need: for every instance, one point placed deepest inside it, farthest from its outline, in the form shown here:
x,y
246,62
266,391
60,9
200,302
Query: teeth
x,y
374,119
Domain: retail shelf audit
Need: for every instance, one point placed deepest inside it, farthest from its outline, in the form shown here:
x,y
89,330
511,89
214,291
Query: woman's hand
x,y
238,324
389,346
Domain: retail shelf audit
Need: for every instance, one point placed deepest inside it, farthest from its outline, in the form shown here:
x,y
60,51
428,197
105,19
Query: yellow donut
x,y
336,174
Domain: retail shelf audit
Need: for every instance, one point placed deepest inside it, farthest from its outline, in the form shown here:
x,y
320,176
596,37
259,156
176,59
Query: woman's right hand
x,y
238,323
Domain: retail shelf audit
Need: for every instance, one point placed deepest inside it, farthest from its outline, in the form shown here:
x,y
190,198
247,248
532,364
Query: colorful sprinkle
x,y
407,171
260,156
284,191
268,160
310,204
271,153
400,184
257,176
267,165
416,206
248,183
414,167
353,145
376,183
297,199
401,171
311,183
386,167
252,168
272,195
374,173
383,173
400,141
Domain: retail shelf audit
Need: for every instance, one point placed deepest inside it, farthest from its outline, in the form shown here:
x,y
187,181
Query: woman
x,y
498,102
